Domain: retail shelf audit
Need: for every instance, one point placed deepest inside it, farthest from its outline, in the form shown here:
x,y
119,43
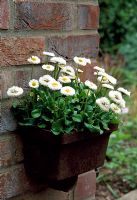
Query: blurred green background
x,y
118,52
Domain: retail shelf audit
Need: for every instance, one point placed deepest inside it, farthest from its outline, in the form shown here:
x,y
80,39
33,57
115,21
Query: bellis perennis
x,y
60,102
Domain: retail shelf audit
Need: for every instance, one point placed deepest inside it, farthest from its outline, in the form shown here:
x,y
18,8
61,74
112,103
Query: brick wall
x,y
27,27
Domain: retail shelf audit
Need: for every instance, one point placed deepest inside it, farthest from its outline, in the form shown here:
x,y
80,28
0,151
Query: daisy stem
x,y
86,101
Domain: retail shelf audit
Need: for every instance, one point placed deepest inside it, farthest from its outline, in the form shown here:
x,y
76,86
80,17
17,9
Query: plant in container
x,y
65,123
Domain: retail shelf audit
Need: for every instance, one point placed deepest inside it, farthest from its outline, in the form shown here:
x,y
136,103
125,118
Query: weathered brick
x,y
80,45
10,150
4,14
16,50
8,122
48,194
43,15
88,17
13,181
86,186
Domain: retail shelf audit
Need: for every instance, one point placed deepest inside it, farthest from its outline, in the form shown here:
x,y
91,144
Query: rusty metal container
x,y
54,158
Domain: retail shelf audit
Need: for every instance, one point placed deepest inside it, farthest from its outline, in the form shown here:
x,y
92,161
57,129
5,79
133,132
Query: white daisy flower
x,y
108,86
33,83
80,61
106,77
103,103
48,67
54,85
80,71
91,85
67,90
59,60
46,53
99,69
14,91
68,70
44,80
115,108
34,60
88,60
124,91
103,79
64,79
112,80
122,103
115,96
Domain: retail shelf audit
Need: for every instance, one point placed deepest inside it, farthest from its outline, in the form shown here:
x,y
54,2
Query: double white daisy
x,y
108,86
59,60
124,91
68,70
114,107
54,85
67,91
46,53
48,67
99,69
81,61
106,78
14,91
34,83
91,85
115,96
103,103
34,60
64,79
44,80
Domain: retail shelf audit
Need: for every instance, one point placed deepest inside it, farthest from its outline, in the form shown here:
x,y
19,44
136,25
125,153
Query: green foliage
x,y
118,22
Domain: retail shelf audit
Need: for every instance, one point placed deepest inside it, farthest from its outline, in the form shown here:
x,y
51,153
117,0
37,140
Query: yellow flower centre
x,y
34,59
104,78
34,84
64,78
54,84
68,90
48,66
80,60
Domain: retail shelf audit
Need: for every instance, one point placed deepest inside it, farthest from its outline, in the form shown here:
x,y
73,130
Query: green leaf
x,y
15,104
93,128
77,118
42,125
69,129
25,123
57,127
46,118
36,113
89,108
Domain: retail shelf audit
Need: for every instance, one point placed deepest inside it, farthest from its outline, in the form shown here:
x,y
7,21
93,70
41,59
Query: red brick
x,y
80,45
4,14
13,181
16,50
43,15
10,150
88,17
86,186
